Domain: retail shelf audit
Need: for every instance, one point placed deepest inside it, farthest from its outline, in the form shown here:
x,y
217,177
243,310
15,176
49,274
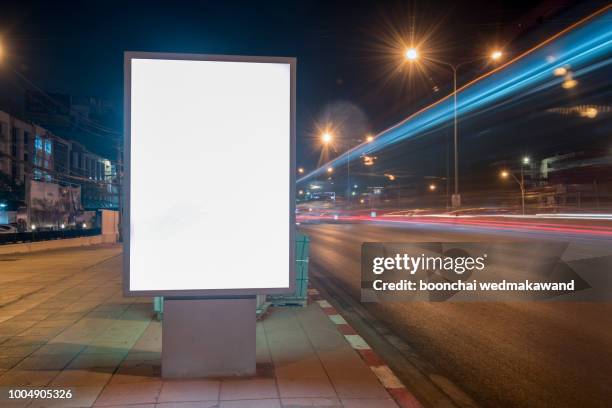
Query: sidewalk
x,y
69,327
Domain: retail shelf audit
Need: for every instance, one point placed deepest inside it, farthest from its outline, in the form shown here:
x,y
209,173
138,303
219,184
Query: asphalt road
x,y
490,354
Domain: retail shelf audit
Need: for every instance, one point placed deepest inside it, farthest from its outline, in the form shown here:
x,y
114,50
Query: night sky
x,y
347,50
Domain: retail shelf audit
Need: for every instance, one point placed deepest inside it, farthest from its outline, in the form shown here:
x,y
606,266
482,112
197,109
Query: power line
x,y
75,122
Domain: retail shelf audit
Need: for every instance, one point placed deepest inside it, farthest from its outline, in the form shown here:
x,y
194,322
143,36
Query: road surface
x,y
490,354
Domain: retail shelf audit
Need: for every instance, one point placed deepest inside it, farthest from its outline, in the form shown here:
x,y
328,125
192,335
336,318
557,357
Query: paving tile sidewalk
x,y
78,332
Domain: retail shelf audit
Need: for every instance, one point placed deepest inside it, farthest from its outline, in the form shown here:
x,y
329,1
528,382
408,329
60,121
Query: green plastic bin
x,y
158,307
300,295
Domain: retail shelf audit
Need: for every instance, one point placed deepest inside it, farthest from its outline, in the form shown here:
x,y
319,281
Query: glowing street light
x,y
411,54
330,169
590,113
505,174
368,160
526,160
560,71
495,55
432,187
301,170
569,83
369,138
326,138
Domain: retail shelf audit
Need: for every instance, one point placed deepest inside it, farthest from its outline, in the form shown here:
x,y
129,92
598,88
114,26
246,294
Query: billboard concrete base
x,y
208,337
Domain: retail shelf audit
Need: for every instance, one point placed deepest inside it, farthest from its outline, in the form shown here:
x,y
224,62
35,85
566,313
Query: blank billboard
x,y
209,158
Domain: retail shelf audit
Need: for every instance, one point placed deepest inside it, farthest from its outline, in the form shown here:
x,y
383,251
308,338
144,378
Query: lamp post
x,y
504,174
327,139
412,55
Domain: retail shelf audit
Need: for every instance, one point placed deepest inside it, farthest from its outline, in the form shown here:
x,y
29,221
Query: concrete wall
x,y
56,244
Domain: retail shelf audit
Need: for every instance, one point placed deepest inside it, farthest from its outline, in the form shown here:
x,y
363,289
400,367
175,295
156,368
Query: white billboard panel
x,y
209,174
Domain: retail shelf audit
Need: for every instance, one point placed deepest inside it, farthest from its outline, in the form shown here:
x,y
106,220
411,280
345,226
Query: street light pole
x,y
348,176
327,139
456,197
521,184
522,190
412,55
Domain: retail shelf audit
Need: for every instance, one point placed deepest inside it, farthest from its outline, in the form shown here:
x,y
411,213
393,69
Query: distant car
x,y
8,229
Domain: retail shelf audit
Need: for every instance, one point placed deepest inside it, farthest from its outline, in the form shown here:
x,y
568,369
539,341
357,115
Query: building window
x,y
48,146
38,143
14,137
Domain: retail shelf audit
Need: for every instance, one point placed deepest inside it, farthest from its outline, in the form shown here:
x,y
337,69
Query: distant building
x,y
77,118
28,148
23,143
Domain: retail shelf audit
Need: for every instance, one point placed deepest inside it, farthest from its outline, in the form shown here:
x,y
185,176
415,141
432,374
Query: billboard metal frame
x,y
125,222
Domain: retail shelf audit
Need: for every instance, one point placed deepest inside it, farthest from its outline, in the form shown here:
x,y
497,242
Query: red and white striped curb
x,y
392,384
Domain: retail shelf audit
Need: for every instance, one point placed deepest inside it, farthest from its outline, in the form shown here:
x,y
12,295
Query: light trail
x,y
581,46
512,226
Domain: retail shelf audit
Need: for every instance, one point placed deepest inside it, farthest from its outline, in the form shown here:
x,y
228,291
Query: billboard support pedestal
x,y
208,337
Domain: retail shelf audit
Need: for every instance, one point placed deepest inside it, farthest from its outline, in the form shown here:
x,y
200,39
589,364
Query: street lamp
x,y
411,55
301,170
368,160
432,187
326,138
504,174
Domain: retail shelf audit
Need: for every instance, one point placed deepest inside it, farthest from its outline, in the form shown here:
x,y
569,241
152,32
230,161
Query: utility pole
x,y
456,196
28,195
119,172
522,184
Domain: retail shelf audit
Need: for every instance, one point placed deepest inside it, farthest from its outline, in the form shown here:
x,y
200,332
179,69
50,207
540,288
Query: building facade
x,y
29,151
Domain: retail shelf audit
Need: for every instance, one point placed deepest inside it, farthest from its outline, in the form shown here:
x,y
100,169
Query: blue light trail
x,y
583,48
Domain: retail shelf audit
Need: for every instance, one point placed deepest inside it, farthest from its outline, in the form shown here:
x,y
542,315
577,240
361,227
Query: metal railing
x,y
34,236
